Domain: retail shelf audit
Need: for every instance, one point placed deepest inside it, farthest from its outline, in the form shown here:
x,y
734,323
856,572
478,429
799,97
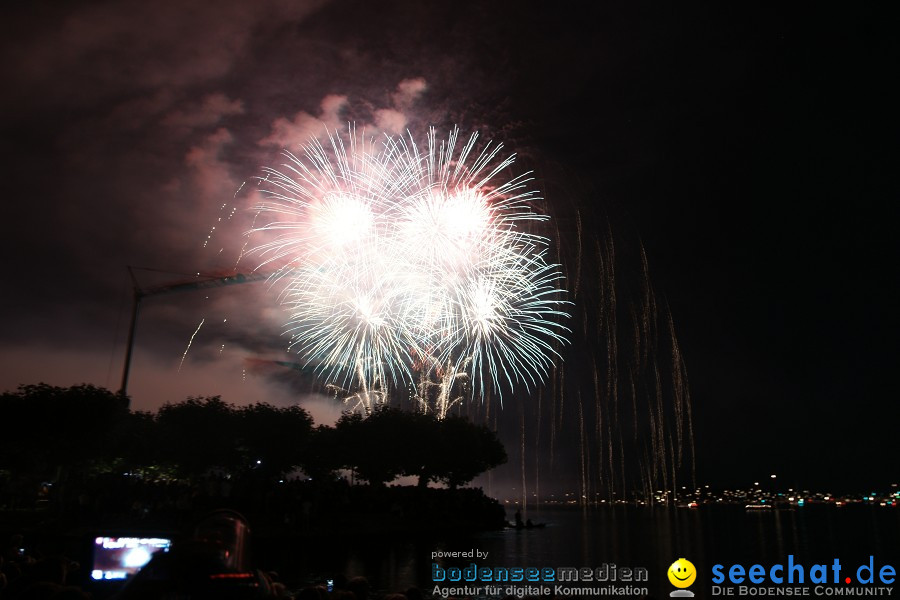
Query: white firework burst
x,y
392,260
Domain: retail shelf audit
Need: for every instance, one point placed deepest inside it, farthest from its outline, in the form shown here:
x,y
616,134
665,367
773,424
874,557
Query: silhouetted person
x,y
414,594
360,587
312,593
213,564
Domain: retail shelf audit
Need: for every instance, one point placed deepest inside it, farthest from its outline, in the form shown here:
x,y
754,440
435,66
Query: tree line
x,y
52,433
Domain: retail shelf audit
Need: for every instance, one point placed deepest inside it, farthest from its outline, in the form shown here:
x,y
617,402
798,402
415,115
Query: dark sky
x,y
753,152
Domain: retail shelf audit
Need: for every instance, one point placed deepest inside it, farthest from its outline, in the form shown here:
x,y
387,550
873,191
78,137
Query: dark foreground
x,y
392,561
297,528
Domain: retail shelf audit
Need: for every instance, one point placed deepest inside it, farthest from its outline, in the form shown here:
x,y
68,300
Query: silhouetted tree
x,y
137,440
47,430
464,450
323,454
391,442
198,435
272,441
368,445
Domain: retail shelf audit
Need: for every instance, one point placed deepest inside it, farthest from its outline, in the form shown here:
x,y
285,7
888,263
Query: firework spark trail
x,y
441,402
578,237
522,452
212,230
190,341
391,258
630,333
584,448
537,447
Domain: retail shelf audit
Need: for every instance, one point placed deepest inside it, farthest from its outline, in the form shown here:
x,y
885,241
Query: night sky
x,y
753,153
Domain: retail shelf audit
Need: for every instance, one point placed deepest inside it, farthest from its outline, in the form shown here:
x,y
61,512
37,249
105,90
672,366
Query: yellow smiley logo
x,y
682,573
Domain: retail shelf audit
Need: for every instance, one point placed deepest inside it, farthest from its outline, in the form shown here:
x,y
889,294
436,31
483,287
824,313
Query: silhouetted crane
x,y
198,282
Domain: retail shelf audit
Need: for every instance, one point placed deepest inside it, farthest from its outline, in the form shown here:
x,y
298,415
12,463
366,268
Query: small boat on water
x,y
780,506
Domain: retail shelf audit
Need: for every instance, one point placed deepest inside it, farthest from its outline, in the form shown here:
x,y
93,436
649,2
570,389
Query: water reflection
x,y
626,536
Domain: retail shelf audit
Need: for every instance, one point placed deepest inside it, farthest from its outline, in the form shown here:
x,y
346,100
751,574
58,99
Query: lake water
x,y
626,536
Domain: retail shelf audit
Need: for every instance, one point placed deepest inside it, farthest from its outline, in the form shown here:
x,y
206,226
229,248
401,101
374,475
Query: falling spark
x,y
191,341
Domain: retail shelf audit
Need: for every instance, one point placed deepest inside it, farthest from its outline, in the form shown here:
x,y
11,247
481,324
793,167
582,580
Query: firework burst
x,y
395,262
